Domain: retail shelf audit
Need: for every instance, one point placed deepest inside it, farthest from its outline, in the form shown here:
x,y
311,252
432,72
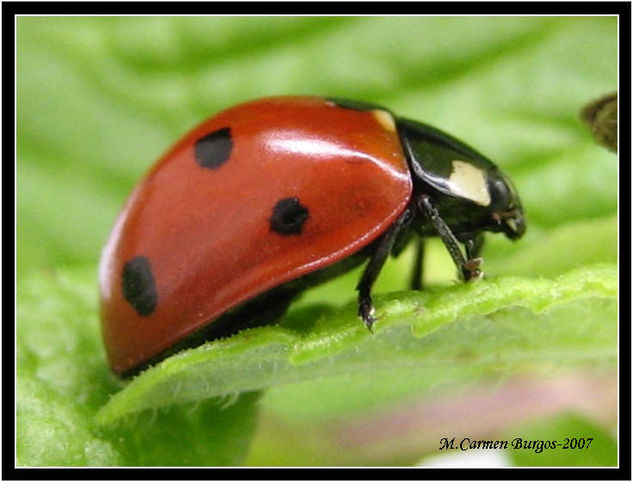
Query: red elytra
x,y
258,195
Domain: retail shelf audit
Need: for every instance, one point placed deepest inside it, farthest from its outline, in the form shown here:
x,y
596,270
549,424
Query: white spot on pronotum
x,y
385,119
469,182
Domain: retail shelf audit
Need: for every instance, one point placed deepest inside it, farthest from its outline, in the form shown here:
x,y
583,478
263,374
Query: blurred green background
x,y
99,99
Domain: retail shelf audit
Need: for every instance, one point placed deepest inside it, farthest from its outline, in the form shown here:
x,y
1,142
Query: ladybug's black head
x,y
506,211
470,192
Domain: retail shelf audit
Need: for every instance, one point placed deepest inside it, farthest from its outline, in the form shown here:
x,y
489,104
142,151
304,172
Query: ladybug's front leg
x,y
468,266
473,246
384,246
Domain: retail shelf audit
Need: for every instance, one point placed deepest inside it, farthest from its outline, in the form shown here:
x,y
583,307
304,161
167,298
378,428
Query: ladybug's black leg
x,y
416,275
383,248
474,245
468,268
402,241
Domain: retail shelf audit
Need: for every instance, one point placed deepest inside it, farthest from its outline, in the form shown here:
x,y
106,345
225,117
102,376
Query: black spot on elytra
x,y
214,149
354,104
288,216
139,289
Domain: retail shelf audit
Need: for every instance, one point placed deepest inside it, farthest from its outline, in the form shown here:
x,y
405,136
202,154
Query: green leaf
x,y
573,433
63,379
501,322
55,431
101,98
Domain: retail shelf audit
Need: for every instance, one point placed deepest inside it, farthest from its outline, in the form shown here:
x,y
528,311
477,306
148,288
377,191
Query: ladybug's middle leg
x,y
405,239
418,265
384,245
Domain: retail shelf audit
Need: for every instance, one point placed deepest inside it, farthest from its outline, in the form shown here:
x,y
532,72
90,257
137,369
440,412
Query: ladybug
x,y
276,195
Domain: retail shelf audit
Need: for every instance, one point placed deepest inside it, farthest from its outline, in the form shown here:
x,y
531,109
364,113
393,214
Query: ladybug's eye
x,y
500,194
